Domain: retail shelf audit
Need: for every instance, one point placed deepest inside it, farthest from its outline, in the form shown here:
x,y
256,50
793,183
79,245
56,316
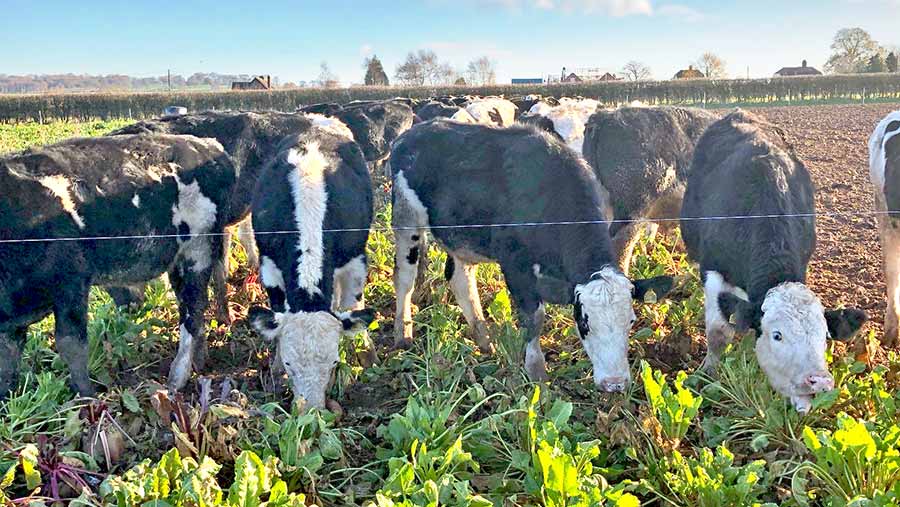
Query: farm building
x,y
587,75
802,70
689,73
257,83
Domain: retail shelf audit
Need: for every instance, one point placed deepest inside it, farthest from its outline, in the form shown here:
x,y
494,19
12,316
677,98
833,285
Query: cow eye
x,y
776,336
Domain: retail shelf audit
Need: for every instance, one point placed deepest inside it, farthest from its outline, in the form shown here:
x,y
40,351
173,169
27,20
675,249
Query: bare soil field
x,y
833,142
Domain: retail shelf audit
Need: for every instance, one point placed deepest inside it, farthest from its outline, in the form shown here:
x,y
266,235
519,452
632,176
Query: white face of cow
x,y
604,315
308,345
791,345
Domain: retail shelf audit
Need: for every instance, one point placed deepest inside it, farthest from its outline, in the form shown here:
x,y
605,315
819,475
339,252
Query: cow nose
x,y
819,382
613,384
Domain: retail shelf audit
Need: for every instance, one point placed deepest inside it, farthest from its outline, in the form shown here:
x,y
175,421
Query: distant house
x,y
257,83
689,73
802,70
572,78
609,77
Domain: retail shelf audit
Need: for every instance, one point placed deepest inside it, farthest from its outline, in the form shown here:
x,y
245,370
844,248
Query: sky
x,y
525,38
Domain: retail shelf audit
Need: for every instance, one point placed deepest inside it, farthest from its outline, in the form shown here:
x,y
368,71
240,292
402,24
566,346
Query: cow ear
x,y
844,324
742,314
357,320
263,321
659,286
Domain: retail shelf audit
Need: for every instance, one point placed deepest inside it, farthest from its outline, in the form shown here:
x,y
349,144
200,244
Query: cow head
x,y
604,315
792,328
308,345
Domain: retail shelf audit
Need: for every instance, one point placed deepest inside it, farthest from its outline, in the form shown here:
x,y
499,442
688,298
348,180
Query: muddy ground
x,y
833,142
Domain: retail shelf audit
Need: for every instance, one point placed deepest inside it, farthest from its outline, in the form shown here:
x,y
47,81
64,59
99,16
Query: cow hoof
x,y
403,344
368,358
225,316
710,366
891,337
537,373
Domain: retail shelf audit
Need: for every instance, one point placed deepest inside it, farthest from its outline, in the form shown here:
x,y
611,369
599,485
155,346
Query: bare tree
x,y
481,72
636,71
851,50
712,66
327,79
423,68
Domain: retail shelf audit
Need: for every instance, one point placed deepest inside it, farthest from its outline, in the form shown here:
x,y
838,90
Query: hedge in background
x,y
17,108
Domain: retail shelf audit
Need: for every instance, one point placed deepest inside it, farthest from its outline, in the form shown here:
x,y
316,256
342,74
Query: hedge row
x,y
16,108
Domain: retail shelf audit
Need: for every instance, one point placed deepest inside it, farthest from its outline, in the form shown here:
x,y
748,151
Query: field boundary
x,y
698,92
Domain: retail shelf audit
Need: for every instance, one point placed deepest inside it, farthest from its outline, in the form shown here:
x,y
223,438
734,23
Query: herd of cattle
x,y
555,191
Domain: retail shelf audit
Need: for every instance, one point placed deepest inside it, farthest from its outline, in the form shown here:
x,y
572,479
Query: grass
x,y
441,423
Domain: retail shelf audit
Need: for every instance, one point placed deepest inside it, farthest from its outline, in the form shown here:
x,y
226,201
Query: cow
x,y
250,140
884,171
319,186
490,111
754,269
324,108
568,118
447,179
642,156
434,109
375,126
109,210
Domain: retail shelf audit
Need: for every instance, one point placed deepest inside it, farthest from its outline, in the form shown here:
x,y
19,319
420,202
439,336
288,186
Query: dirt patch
x,y
846,268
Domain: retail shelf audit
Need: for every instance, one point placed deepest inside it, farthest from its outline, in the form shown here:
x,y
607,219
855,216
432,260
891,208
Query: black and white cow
x,y
884,171
642,155
250,139
325,108
317,184
375,125
568,118
447,173
754,269
168,194
435,109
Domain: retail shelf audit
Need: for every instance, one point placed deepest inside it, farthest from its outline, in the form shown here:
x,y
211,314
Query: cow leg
x,y
11,345
530,310
409,249
220,279
890,246
245,236
127,295
465,289
422,290
409,220
349,283
70,310
191,289
624,242
719,332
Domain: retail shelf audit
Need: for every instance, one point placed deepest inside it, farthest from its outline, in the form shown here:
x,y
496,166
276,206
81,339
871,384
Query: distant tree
x,y
411,72
891,62
851,50
375,75
327,79
636,71
423,68
481,72
460,81
712,66
876,64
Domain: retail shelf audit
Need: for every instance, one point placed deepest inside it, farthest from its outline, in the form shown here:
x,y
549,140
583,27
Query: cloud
x,y
682,13
616,8
365,50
